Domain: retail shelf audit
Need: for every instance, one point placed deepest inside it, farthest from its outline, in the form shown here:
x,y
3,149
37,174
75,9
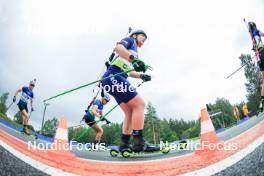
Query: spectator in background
x,y
236,112
245,110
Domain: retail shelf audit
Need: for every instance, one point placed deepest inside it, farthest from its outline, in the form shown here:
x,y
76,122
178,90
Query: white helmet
x,y
106,97
33,82
137,32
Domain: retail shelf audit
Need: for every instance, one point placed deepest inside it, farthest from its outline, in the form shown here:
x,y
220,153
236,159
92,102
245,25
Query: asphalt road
x,y
10,165
228,134
105,155
252,164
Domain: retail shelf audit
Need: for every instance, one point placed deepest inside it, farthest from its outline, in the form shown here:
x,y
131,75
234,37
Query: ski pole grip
x,y
149,67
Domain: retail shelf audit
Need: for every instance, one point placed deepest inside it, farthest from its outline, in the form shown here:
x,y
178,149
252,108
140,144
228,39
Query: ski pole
x,y
29,115
96,121
85,85
9,107
236,70
240,67
76,125
91,83
103,117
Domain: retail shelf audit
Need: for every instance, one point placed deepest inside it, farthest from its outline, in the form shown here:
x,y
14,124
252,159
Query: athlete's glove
x,y
138,65
14,99
107,64
107,121
104,119
32,109
145,77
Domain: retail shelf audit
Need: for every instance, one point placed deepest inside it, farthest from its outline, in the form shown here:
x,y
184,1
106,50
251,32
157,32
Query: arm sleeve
x,y
24,89
126,42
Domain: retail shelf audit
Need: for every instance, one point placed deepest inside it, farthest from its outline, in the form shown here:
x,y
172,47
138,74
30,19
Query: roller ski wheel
x,y
114,153
33,136
126,153
183,144
165,150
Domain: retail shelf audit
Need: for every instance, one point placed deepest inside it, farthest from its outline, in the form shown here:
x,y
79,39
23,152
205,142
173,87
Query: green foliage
x,y
112,133
86,134
166,132
155,130
151,125
50,127
4,117
225,119
3,99
18,118
253,84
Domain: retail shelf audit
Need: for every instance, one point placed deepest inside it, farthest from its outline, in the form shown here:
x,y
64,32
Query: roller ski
x,y
139,147
26,132
128,152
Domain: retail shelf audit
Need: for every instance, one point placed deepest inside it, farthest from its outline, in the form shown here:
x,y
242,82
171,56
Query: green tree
x,y
112,133
151,125
3,99
193,131
155,130
166,133
50,127
253,84
18,118
223,105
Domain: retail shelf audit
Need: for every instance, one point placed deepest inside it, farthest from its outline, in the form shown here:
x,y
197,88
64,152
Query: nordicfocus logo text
x,y
66,146
205,145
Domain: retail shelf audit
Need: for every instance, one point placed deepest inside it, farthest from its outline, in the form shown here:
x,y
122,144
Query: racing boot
x,y
25,130
124,142
139,143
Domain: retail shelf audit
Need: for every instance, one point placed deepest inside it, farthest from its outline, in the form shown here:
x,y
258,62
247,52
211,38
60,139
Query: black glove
x,y
145,78
14,99
104,119
107,64
107,121
139,65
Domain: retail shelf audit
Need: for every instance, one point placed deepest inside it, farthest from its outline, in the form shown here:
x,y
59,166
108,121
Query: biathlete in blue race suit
x,y
96,110
257,34
125,95
26,95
